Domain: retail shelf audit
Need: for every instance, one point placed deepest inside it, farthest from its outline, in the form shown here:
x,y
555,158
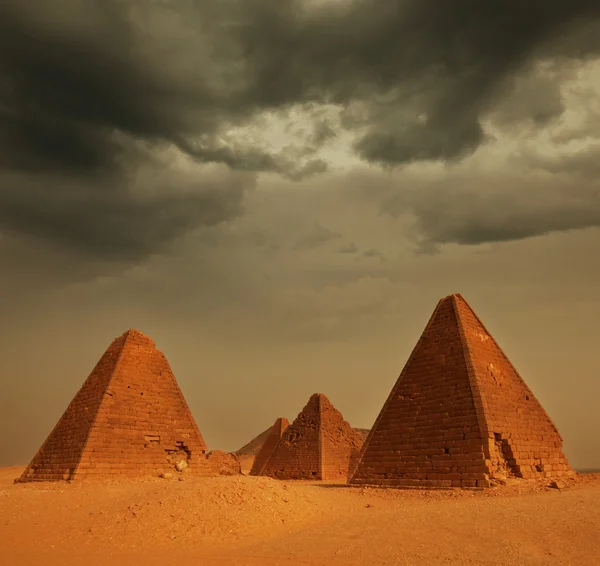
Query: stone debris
x,y
223,463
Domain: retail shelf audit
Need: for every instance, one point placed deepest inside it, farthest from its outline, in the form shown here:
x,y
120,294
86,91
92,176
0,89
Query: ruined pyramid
x,y
269,445
128,418
318,445
459,415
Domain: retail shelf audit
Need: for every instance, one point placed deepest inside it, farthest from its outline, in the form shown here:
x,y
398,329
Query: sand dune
x,y
257,520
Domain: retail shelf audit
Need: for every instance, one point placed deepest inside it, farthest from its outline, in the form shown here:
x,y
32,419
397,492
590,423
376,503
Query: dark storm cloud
x,y
412,78
508,208
115,223
536,98
76,71
421,73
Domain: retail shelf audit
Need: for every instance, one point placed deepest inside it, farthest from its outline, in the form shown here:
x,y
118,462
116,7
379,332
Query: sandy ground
x,y
260,521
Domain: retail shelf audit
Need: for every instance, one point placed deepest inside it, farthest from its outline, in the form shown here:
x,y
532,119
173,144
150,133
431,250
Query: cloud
x,y
123,223
509,208
317,237
421,73
582,163
372,253
265,241
533,97
93,93
322,313
350,248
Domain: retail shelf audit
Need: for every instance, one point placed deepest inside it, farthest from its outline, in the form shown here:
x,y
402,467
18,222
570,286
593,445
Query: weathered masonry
x,y
459,415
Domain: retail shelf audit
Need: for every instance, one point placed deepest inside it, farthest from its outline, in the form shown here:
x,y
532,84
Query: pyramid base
x,y
485,482
212,464
399,486
422,484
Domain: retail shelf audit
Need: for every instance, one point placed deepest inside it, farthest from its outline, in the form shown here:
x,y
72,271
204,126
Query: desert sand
x,y
258,520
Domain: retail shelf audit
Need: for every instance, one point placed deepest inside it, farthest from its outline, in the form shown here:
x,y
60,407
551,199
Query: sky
x,y
279,192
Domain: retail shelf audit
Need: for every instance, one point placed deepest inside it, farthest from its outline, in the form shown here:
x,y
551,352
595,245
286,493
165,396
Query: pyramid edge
x,y
517,373
22,478
395,387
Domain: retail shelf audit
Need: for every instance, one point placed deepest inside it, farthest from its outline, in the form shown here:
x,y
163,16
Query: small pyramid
x,y
459,415
253,447
269,445
128,418
318,445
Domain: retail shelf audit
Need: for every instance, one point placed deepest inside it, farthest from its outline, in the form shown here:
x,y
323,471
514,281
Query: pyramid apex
x,y
452,296
319,398
134,333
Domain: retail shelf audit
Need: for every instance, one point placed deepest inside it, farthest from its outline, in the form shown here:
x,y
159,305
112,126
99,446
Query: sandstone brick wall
x,y
269,446
521,439
459,414
129,418
297,454
427,433
340,444
60,454
318,445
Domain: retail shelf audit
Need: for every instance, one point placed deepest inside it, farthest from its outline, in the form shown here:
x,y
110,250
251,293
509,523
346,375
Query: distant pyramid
x,y
268,446
364,432
253,447
318,445
128,418
459,414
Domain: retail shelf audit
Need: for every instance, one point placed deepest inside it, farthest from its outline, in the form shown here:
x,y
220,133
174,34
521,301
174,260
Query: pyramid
x,y
269,445
252,448
459,415
318,445
364,432
128,418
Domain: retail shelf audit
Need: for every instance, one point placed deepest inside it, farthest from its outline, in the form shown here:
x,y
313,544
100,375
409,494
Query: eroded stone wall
x,y
340,444
297,454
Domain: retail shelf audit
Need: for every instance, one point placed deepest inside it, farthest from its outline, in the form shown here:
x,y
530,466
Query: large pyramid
x,y
318,445
459,415
128,418
269,445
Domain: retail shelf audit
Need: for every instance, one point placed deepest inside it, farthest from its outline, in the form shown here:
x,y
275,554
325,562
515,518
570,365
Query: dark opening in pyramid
x,y
459,415
318,445
128,418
